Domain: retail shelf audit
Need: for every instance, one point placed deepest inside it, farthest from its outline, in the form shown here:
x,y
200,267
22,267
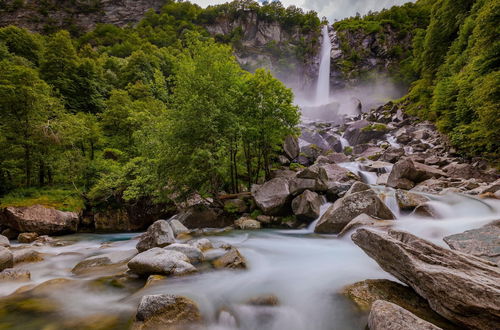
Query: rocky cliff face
x,y
77,16
288,52
357,53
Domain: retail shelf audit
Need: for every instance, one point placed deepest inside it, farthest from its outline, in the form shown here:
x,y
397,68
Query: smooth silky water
x,y
303,270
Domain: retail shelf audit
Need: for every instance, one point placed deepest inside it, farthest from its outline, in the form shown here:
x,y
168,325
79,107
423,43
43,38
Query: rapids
x,y
305,271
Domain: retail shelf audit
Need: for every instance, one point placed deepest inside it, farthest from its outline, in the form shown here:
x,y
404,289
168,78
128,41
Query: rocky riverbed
x,y
369,220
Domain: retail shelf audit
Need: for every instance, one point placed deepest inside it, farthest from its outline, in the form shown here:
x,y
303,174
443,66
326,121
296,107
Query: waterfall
x,y
323,84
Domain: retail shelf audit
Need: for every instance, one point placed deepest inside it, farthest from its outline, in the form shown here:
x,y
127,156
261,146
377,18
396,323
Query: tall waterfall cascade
x,y
323,83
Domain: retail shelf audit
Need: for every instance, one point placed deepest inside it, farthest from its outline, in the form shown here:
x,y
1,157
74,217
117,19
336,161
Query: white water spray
x,y
323,84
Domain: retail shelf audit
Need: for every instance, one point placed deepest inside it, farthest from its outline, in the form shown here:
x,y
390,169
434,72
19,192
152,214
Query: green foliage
x,y
63,199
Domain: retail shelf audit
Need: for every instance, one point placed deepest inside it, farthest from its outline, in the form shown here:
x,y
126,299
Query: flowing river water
x,y
305,271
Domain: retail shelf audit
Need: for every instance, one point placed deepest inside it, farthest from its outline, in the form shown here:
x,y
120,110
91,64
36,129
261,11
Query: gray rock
x,y
392,154
15,275
349,207
27,237
408,200
357,187
467,171
177,227
299,185
291,147
427,210
203,216
203,244
96,263
193,253
482,242
273,196
160,261
159,234
406,173
306,206
165,311
246,223
39,219
4,241
462,288
232,260
364,220
6,258
363,131
27,255
388,316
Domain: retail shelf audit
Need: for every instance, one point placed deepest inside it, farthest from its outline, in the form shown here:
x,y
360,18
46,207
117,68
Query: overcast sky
x,y
332,9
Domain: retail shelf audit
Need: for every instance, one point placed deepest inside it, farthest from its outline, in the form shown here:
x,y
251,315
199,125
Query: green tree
x,y
27,109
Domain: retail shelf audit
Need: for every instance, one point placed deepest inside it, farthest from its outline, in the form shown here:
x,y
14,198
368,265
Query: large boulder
x,y
482,242
162,262
273,196
349,207
6,259
406,173
306,206
165,311
299,185
392,154
39,219
159,234
291,147
462,288
362,131
204,216
367,292
364,220
388,316
177,227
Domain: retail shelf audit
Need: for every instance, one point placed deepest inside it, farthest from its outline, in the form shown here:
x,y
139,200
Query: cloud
x,y
331,9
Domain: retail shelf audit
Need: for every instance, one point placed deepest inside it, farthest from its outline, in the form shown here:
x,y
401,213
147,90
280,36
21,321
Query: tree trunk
x,y
41,173
27,164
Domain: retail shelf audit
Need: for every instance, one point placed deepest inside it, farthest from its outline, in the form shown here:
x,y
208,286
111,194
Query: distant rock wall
x,y
76,15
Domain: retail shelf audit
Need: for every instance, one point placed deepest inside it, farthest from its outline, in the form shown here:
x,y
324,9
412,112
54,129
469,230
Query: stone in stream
x,y
160,261
194,254
427,210
246,223
388,316
306,206
366,292
408,200
364,220
204,216
482,242
406,173
349,207
15,275
203,244
159,234
392,155
6,258
462,288
103,262
232,259
273,196
27,255
166,311
27,237
299,185
177,227
4,241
